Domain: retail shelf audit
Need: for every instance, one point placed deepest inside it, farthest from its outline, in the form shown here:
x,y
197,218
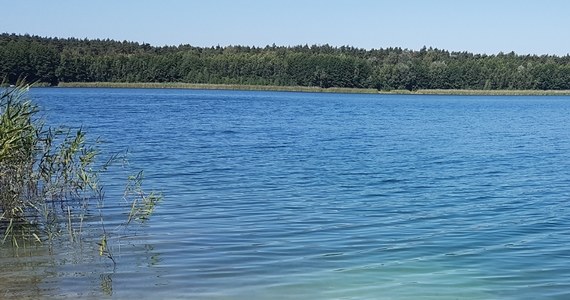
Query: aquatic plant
x,y
49,178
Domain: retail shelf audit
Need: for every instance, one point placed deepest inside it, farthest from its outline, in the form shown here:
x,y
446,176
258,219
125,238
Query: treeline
x,y
53,60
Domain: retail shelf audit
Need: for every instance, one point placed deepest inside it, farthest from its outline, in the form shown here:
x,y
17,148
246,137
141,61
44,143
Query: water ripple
x,y
313,196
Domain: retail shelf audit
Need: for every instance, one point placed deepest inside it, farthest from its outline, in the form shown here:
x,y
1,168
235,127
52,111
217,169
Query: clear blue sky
x,y
480,26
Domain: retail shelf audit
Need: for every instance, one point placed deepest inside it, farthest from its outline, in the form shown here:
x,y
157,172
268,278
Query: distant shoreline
x,y
201,86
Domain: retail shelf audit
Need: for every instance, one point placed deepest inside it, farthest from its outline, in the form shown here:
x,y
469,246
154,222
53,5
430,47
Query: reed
x,y
312,89
205,86
482,92
49,178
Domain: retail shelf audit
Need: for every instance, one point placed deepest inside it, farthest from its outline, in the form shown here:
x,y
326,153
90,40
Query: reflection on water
x,y
67,270
24,271
106,284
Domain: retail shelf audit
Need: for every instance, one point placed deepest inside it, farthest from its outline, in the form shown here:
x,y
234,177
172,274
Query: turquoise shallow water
x,y
326,196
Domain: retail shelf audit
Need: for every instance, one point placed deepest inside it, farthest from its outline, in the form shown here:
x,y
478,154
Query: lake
x,y
279,195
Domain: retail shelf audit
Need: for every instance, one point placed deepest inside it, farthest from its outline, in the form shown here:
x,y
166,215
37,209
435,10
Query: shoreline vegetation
x,y
50,190
310,89
315,68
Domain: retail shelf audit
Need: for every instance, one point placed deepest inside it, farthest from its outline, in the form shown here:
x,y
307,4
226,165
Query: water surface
x,y
276,195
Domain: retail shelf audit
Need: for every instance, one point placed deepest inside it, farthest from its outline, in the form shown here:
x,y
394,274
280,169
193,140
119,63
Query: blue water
x,y
272,195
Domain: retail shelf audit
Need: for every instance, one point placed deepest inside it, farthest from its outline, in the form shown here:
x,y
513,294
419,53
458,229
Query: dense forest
x,y
54,60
